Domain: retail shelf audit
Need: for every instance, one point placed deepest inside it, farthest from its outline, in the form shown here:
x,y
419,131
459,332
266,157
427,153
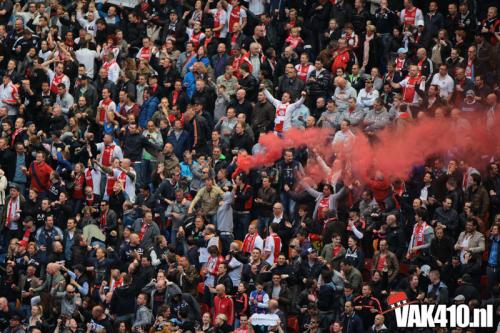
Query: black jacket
x,y
321,85
133,145
182,100
178,31
123,301
245,107
250,85
241,141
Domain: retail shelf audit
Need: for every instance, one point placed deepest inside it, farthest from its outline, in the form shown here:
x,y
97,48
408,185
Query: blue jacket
x,y
190,84
353,324
181,144
148,108
104,15
204,60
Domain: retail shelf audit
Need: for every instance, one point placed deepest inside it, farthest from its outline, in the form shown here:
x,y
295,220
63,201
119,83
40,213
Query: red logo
x,y
396,300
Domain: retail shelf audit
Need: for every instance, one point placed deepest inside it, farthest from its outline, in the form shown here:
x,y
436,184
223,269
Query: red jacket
x,y
224,304
42,171
341,60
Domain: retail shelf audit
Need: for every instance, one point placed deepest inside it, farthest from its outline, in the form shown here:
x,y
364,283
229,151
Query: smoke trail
x,y
394,152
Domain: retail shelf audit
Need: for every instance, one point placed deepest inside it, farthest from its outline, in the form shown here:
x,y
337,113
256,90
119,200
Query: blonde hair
x,y
295,30
222,316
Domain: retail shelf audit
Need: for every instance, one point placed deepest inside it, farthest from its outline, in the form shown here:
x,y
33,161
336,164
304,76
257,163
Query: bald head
x,y
340,82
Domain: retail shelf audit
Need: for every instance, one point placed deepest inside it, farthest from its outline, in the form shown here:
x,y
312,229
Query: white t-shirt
x,y
87,58
130,185
235,271
446,84
256,6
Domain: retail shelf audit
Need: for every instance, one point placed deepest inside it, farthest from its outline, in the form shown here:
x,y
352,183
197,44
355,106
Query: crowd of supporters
x,y
122,204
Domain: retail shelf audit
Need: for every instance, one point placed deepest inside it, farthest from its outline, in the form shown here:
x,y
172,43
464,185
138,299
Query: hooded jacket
x,y
225,213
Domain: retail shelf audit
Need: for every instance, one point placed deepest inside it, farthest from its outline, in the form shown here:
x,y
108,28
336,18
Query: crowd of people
x,y
122,204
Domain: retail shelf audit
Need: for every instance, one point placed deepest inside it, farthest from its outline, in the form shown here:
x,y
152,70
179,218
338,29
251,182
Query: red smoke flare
x,y
395,151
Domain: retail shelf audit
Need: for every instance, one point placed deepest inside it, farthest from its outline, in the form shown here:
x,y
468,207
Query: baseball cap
x,y
459,298
402,50
14,185
420,23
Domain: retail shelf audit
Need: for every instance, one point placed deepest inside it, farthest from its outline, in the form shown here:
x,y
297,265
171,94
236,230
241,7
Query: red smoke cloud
x,y
395,151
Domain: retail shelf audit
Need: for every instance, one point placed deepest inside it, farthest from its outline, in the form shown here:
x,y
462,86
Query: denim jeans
x,y
493,274
147,170
288,204
26,310
129,318
263,224
241,222
138,171
226,239
386,40
77,206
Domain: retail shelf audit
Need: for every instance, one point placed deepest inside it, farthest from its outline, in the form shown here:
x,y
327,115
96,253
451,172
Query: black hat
x,y
173,11
16,316
467,278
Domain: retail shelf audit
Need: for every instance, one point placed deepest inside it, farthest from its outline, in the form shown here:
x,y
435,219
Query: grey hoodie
x,y
225,213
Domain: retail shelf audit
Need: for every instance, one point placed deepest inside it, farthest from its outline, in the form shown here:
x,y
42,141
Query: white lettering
x,y
453,316
489,315
426,315
440,317
430,316
463,316
402,316
414,318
